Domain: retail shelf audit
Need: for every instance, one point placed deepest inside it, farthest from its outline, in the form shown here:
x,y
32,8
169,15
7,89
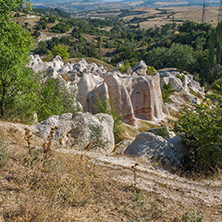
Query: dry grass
x,y
145,125
73,187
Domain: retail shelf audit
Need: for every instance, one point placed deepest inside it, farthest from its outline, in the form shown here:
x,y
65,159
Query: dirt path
x,y
160,181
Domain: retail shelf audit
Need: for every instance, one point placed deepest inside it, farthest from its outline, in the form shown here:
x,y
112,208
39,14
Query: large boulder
x,y
153,147
175,82
82,130
140,68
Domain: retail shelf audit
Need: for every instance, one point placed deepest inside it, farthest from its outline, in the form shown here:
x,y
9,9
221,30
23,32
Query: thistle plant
x,y
47,146
134,174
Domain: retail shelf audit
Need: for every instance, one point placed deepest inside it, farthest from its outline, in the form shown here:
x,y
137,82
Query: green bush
x,y
182,78
54,99
217,85
150,70
201,128
110,108
167,92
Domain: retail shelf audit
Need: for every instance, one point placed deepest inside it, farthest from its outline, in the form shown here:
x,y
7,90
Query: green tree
x,y
202,134
99,38
181,56
61,50
51,19
158,57
54,99
15,79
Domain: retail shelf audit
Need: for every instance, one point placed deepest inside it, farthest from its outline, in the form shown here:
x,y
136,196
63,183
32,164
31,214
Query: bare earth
x,y
175,195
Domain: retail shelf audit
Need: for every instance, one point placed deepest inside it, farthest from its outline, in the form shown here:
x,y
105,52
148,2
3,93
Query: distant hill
x,y
86,5
50,11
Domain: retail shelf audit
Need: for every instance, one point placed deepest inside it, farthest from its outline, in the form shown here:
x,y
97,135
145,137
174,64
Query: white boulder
x,y
150,147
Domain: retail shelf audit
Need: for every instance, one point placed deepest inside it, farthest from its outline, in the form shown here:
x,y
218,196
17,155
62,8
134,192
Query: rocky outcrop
x,y
37,65
120,97
86,84
146,96
175,82
140,68
134,94
82,130
149,146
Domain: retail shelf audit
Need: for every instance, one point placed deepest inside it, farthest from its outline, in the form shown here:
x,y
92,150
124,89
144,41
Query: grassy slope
x,y
75,187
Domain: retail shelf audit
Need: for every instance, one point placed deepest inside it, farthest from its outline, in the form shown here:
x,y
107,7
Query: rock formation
x,y
82,130
133,94
153,147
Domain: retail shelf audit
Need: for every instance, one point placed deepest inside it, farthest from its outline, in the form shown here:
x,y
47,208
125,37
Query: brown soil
x,y
88,186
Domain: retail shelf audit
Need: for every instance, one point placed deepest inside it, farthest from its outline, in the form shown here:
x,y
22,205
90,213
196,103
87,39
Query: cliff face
x,y
134,95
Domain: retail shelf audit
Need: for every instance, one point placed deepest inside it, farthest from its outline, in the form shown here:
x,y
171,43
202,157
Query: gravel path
x,y
160,181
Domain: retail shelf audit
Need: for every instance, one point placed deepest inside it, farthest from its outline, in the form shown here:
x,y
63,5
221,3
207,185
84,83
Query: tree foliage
x,y
61,50
54,99
15,78
202,134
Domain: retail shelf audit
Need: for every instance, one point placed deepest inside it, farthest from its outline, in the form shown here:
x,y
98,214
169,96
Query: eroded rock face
x,y
133,94
82,130
98,95
87,83
152,147
146,96
120,97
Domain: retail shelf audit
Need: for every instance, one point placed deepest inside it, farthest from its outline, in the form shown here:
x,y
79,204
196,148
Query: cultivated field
x,y
158,16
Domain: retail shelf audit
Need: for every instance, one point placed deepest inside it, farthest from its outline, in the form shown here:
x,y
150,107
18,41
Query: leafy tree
x,y
181,56
51,19
15,79
202,129
61,50
36,33
158,57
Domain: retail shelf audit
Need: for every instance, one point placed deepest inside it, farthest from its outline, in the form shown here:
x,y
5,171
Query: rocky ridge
x,y
135,94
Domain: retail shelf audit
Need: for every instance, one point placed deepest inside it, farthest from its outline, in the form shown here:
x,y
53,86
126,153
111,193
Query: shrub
x,y
109,107
167,92
150,70
181,77
54,99
217,85
190,216
202,134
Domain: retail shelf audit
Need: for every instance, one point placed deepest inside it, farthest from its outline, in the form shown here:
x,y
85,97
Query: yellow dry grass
x,y
73,187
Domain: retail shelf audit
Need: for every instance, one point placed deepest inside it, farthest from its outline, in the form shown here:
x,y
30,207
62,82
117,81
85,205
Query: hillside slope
x,y
87,186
